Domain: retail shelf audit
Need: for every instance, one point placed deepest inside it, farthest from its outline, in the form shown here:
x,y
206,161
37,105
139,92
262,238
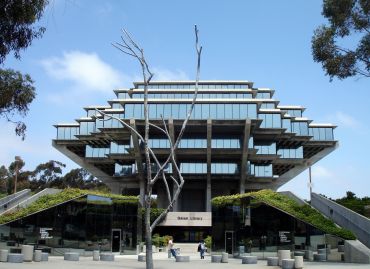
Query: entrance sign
x,y
195,219
44,233
284,236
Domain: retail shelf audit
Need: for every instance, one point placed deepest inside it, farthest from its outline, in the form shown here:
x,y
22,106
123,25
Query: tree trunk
x,y
148,238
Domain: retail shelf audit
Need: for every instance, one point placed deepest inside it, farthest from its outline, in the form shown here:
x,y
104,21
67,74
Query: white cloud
x,y
85,70
161,74
344,120
321,172
29,149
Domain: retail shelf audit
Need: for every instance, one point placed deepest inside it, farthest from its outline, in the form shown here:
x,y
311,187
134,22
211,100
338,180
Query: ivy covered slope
x,y
302,212
50,200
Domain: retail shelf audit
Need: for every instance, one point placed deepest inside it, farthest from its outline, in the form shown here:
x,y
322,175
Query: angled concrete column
x,y
209,150
243,168
138,160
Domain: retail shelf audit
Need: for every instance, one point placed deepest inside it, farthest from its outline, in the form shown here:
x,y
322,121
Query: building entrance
x,y
116,240
185,234
229,238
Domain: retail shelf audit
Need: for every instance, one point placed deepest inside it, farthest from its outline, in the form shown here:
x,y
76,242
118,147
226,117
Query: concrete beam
x,y
209,157
284,178
243,165
138,160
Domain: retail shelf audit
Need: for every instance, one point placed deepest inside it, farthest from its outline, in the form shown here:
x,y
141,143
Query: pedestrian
x,y
171,248
201,249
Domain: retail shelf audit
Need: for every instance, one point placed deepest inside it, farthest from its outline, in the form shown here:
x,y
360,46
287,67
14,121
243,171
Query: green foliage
x,y
17,31
304,213
346,17
154,213
50,200
16,94
16,25
354,203
208,242
160,241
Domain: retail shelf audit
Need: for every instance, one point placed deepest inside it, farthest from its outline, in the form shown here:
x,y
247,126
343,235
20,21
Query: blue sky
x,y
267,42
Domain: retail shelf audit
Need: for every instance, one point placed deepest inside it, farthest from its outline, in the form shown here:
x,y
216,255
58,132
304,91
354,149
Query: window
x,y
193,168
300,128
262,170
321,133
266,148
224,168
291,153
270,120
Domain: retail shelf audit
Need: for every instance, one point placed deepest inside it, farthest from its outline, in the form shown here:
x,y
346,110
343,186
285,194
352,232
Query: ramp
x,y
14,199
344,217
30,199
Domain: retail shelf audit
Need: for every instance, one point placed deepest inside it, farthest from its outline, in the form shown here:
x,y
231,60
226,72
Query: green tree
x,y
46,174
16,94
17,31
347,18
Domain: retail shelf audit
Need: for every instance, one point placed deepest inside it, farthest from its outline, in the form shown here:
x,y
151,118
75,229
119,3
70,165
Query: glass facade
x,y
321,133
67,133
266,149
92,152
300,128
227,143
297,113
253,226
193,168
270,120
191,95
192,86
85,223
260,170
291,153
224,168
201,111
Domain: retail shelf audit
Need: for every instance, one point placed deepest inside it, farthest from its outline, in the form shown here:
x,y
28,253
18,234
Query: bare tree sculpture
x,y
131,48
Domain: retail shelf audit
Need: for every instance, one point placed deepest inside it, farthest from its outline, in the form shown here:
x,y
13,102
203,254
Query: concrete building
x,y
239,139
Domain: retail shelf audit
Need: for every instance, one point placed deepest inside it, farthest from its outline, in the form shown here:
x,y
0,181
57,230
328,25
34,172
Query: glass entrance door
x,y
116,240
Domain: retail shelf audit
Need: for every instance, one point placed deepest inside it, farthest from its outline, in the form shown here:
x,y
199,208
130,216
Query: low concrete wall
x,y
13,199
33,198
344,217
356,252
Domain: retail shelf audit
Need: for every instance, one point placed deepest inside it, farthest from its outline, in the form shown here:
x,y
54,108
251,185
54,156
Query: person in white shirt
x,y
171,248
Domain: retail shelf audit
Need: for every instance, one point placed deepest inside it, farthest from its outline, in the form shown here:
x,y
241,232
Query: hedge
x,y
304,213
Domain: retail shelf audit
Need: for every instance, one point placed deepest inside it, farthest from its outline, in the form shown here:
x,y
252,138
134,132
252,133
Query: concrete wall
x,y
356,252
13,199
33,198
344,217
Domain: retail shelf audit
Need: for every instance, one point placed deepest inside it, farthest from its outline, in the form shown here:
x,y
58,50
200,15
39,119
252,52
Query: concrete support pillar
x,y
209,150
138,160
243,168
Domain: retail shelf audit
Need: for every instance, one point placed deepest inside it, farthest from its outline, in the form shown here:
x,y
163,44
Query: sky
x,y
267,42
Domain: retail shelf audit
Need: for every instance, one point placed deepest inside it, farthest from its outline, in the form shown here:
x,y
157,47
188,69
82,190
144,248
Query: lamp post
x,y
17,161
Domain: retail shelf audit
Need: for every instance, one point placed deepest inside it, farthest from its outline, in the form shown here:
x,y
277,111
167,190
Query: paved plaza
x,y
161,262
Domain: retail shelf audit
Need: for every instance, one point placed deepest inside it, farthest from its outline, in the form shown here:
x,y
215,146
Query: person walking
x,y
201,249
171,247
